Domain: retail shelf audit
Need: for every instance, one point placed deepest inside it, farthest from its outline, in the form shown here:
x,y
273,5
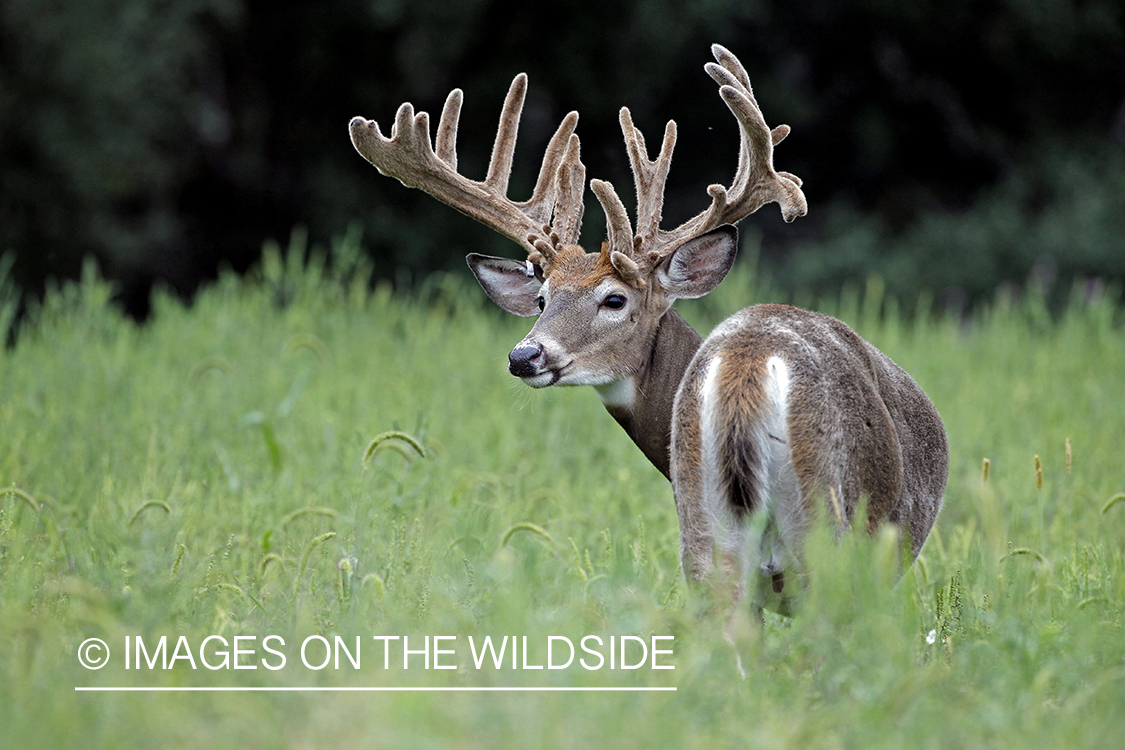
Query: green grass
x,y
293,455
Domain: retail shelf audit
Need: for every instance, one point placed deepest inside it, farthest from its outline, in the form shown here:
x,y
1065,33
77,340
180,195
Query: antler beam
x,y
552,216
755,183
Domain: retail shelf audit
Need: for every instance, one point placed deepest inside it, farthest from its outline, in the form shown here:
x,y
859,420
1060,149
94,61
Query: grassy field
x,y
294,456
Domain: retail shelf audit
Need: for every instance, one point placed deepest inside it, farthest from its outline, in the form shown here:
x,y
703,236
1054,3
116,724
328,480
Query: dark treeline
x,y
951,146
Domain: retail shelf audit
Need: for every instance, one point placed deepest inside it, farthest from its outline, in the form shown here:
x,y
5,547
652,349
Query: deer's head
x,y
598,312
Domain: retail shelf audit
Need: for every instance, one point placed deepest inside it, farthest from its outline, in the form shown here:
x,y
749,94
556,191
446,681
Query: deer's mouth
x,y
542,380
546,377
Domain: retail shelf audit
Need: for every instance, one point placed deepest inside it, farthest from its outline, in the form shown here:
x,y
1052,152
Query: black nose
x,y
525,359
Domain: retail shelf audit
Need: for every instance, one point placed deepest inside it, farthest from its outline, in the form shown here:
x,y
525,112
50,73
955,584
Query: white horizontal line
x,y
276,689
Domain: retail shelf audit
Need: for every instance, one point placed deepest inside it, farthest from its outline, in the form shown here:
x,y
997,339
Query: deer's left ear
x,y
697,266
511,284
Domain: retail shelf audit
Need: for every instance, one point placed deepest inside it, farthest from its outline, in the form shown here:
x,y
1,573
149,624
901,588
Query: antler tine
x,y
408,156
571,182
618,229
503,150
649,177
545,198
446,149
730,63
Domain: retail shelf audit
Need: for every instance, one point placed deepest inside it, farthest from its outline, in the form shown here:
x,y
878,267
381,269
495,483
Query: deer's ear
x,y
511,284
697,266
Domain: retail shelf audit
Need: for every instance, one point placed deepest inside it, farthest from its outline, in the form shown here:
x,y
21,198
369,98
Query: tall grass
x,y
294,454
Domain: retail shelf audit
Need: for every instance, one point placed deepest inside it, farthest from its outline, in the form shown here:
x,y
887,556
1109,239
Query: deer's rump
x,y
782,408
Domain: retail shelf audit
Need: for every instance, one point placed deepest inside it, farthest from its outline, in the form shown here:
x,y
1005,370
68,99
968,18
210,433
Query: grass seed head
x,y
26,497
1119,497
381,440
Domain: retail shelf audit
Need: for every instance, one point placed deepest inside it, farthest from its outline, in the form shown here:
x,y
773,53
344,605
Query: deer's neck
x,y
642,403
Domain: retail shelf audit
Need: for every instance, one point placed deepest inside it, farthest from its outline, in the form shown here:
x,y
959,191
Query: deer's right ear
x,y
511,284
697,266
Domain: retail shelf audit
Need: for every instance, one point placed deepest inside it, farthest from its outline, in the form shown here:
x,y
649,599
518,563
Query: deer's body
x,y
779,410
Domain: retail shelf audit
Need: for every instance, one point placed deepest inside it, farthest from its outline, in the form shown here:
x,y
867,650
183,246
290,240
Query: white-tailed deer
x,y
781,411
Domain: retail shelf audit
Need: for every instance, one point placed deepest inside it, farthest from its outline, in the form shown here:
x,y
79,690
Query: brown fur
x,y
572,267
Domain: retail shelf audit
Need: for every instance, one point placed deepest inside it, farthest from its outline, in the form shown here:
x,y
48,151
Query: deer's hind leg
x,y
697,533
713,504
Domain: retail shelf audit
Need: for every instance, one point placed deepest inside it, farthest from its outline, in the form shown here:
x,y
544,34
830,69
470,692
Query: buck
x,y
781,414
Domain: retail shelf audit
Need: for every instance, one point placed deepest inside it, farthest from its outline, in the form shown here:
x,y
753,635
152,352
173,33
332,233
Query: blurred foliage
x,y
950,146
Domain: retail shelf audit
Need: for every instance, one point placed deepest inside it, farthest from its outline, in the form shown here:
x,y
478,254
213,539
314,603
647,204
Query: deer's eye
x,y
541,302
614,301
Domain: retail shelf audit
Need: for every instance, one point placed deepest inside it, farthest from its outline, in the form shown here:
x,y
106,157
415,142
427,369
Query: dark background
x,y
947,146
